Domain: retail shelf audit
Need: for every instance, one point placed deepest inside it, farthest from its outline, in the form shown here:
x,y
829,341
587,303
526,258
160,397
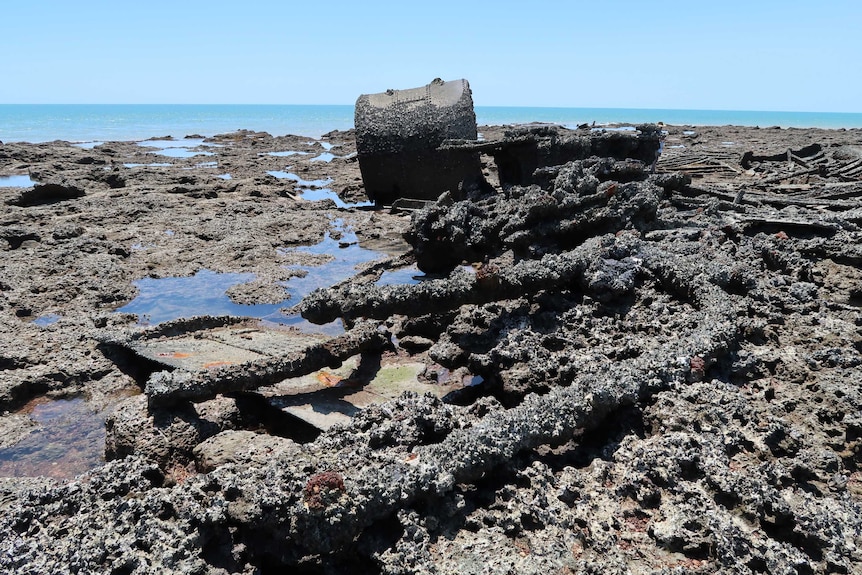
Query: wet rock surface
x,y
662,364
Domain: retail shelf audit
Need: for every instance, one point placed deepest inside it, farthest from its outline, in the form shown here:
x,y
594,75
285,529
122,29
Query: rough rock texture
x,y
242,447
665,365
398,138
168,436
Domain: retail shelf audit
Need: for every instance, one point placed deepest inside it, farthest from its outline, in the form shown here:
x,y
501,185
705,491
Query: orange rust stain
x,y
175,354
328,379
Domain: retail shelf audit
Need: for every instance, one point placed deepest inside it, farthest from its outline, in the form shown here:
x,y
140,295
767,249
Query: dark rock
x,y
67,232
398,138
48,193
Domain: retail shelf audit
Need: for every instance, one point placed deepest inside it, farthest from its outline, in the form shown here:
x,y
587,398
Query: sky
x,y
718,55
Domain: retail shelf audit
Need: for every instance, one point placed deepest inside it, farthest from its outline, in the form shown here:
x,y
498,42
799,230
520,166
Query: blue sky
x,y
729,55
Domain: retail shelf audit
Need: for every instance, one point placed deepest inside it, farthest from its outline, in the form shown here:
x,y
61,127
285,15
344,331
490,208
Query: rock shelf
x,y
662,362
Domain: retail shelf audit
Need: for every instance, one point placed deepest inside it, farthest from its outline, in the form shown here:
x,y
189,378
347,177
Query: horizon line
x,y
738,110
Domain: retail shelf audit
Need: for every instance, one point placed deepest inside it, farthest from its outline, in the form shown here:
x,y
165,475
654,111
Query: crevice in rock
x,y
16,239
220,550
8,363
599,442
348,562
21,394
131,364
257,411
782,526
377,538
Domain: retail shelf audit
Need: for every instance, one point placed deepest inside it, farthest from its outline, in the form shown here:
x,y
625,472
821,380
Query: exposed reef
x,y
632,364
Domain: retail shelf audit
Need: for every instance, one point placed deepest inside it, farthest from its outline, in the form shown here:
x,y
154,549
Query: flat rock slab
x,y
217,347
328,397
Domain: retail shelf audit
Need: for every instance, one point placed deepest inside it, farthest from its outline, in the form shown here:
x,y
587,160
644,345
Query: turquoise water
x,y
101,122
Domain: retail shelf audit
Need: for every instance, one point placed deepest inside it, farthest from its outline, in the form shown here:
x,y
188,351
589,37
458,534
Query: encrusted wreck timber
x,y
524,150
583,199
461,287
438,237
379,488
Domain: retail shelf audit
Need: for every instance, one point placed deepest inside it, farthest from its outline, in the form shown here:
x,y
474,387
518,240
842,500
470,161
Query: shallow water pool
x,y
318,194
324,157
410,275
185,143
19,181
181,153
47,319
68,440
165,299
346,255
299,181
178,148
285,153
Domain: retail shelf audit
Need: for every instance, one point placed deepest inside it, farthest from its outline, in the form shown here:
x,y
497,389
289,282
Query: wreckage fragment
x,y
232,358
170,387
342,397
421,142
398,134
466,455
524,150
581,201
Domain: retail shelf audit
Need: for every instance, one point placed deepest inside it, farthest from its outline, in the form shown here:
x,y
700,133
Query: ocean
x,y
105,122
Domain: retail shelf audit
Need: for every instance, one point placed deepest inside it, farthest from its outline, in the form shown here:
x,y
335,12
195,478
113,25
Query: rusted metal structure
x,y
416,144
525,150
399,134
